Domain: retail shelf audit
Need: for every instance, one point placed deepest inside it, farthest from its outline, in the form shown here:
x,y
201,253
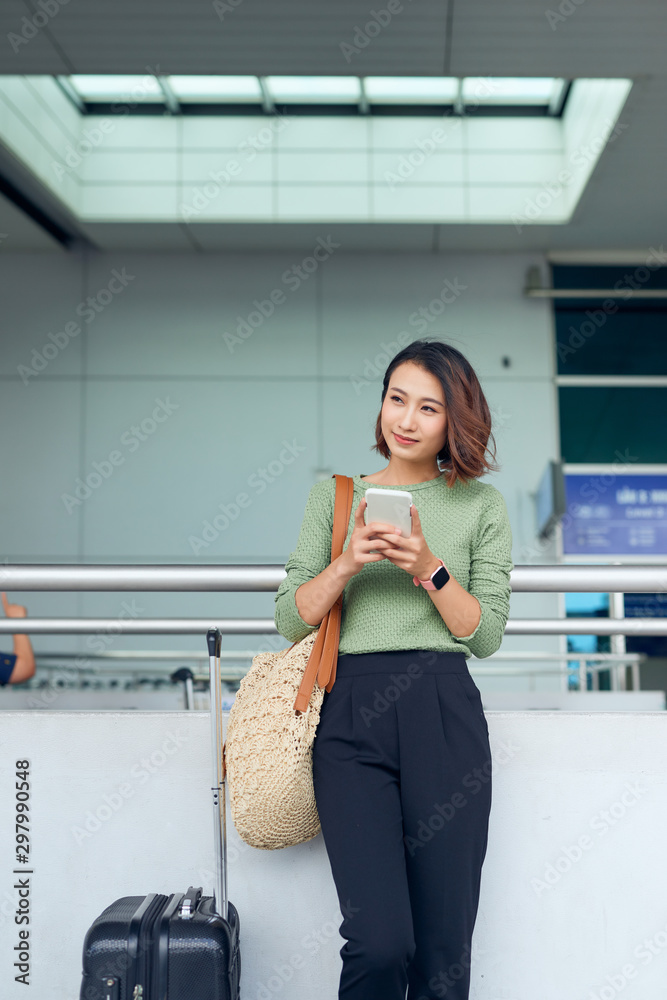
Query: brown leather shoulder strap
x,y
324,654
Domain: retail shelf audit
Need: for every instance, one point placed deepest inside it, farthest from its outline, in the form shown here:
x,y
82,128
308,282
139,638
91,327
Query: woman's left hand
x,y
411,554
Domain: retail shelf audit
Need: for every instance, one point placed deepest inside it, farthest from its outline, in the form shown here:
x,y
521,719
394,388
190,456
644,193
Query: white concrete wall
x,y
571,903
310,373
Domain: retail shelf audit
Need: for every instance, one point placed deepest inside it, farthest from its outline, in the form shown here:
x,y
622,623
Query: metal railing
x,y
116,665
557,578
264,626
532,579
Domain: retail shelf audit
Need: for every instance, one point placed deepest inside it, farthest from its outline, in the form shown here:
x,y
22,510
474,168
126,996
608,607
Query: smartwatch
x,y
437,579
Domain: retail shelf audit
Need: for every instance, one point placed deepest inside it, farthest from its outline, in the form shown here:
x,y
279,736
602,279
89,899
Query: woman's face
x,y
414,407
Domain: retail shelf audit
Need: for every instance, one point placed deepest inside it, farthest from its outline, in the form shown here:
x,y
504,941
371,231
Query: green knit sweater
x,y
465,525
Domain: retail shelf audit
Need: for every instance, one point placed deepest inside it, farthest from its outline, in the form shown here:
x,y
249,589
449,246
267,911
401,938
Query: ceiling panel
x,y
19,232
623,204
623,37
595,234
255,37
138,236
302,236
27,48
520,37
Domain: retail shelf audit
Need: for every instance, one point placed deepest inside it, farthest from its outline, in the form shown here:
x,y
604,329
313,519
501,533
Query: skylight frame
x,y
357,95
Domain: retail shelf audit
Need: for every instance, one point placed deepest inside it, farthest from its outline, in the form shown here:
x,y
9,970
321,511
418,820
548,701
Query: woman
x,y
401,757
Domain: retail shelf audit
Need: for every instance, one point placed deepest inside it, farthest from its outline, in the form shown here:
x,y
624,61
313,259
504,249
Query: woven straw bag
x,y
268,751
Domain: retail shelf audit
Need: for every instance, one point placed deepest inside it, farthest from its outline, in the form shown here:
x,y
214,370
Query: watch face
x,y
440,578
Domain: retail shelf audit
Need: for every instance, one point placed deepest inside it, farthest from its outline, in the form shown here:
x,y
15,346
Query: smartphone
x,y
389,507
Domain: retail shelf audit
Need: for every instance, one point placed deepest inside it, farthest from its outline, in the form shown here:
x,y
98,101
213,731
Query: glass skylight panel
x,y
314,89
218,89
116,87
508,90
410,89
546,94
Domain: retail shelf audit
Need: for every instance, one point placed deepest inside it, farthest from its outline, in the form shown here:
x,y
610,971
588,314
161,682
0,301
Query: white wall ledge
x,y
120,806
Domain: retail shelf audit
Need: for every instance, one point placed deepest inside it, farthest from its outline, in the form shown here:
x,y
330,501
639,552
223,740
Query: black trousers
x,y
402,778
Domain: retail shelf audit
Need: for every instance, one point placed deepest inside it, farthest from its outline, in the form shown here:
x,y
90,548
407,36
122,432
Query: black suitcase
x,y
182,946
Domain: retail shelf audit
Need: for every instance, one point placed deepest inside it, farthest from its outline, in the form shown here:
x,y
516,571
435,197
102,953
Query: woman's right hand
x,y
362,540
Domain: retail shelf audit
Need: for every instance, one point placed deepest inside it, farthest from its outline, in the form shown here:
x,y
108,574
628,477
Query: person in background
x,y
18,666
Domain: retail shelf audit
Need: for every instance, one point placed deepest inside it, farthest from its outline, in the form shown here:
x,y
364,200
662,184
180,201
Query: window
x,y
611,360
609,423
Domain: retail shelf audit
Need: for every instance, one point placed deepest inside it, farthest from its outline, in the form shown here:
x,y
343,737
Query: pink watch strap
x,y
427,584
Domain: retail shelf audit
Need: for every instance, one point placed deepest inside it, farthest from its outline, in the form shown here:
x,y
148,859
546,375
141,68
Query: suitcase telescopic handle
x,y
214,642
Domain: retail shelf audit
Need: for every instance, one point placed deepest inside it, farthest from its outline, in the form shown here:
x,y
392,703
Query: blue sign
x,y
646,606
615,514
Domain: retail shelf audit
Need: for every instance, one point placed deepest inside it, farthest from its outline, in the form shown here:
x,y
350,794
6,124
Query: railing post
x,y
617,610
583,674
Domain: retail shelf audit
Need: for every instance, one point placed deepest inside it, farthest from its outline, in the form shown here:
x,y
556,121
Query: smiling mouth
x,y
400,438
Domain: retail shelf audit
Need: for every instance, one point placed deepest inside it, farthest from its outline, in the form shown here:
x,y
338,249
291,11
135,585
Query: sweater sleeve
x,y
490,568
311,555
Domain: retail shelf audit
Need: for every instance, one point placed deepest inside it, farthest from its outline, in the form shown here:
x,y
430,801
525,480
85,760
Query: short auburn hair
x,y
467,411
